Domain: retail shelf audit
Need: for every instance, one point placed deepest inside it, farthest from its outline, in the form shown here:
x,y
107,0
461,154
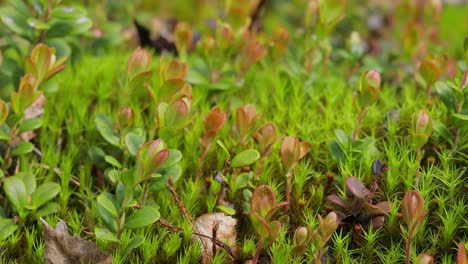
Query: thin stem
x,y
428,92
257,252
220,244
418,160
202,159
179,203
146,192
408,249
358,124
288,191
455,142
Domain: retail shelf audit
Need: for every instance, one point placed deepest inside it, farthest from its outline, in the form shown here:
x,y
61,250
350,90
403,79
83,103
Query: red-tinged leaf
x,y
357,188
462,257
335,199
263,200
378,209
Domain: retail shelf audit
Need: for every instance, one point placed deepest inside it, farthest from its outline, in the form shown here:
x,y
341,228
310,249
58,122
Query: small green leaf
x,y
97,156
37,24
4,132
174,157
49,208
7,228
159,183
132,244
22,148
107,202
108,210
245,158
143,217
66,12
221,145
461,116
105,234
113,161
442,131
342,138
44,193
29,181
336,151
112,175
446,94
66,27
133,143
227,210
30,124
16,192
105,128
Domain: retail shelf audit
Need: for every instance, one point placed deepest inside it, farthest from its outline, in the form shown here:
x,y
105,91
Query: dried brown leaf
x,y
62,248
226,232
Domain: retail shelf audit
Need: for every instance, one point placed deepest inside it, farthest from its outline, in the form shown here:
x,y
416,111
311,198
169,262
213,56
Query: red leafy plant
x,y
358,207
323,233
212,124
421,129
462,257
263,208
138,67
412,207
292,150
319,237
266,136
366,95
183,37
246,118
175,98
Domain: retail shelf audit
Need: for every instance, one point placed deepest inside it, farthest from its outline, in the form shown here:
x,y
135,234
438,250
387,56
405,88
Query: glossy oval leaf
x,y
245,158
16,192
105,128
143,217
133,143
44,193
22,148
30,124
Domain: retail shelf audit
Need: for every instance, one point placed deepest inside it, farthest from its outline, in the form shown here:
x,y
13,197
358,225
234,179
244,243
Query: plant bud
x,y
421,128
430,70
280,41
412,207
177,112
301,236
125,117
292,150
138,63
175,70
42,63
208,43
26,94
151,157
267,135
369,88
424,259
183,36
214,121
245,119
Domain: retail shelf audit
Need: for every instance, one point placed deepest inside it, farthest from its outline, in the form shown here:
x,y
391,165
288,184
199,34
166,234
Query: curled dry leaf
x,y
62,248
226,232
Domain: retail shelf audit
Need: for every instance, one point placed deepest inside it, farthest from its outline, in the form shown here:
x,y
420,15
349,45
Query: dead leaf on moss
x,y
62,248
225,232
